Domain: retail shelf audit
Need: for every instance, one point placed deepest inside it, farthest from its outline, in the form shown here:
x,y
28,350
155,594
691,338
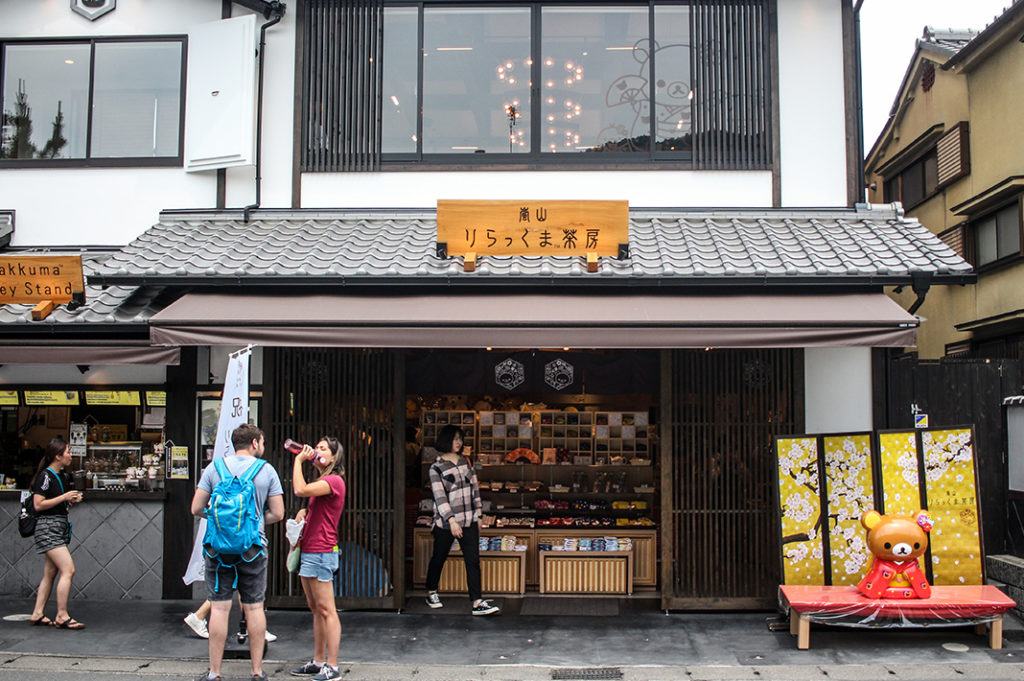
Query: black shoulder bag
x,y
27,517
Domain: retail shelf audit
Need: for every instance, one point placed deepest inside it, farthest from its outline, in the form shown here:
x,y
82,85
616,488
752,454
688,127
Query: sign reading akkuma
x,y
33,279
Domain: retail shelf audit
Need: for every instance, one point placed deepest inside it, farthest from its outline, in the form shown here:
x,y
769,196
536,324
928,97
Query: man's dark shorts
x,y
252,580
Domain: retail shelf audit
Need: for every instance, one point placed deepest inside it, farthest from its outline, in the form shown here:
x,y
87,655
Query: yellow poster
x,y
952,503
901,488
156,398
50,398
112,397
850,490
9,398
800,510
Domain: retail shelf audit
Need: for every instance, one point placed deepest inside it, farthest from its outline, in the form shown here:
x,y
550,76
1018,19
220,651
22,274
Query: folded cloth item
x,y
293,531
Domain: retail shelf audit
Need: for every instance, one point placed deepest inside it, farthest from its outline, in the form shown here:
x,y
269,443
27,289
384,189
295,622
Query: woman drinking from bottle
x,y
319,550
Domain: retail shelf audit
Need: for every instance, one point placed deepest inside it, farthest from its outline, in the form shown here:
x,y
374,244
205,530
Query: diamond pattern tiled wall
x,y
117,547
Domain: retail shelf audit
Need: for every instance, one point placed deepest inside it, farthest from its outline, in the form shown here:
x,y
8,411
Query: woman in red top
x,y
319,550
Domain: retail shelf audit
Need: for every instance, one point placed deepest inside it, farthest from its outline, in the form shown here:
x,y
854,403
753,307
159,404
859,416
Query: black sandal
x,y
69,623
43,621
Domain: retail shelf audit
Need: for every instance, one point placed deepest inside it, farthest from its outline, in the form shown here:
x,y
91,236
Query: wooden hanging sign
x,y
560,228
36,279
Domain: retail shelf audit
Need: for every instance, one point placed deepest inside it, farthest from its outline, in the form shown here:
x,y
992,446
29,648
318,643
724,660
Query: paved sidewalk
x,y
142,639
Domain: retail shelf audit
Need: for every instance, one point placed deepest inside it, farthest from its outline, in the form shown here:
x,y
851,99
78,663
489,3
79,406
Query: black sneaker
x,y
485,608
434,601
308,669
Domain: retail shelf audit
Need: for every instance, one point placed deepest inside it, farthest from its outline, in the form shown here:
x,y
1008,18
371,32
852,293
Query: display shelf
x,y
502,432
433,420
564,434
622,435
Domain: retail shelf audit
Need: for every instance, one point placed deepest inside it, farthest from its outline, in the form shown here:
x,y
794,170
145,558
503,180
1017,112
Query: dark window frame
x,y
730,140
894,185
1008,258
105,162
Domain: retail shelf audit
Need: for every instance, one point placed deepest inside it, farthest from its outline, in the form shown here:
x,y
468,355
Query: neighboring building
x,y
952,154
746,302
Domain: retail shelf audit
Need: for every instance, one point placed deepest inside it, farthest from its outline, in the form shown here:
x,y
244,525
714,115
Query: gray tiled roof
x,y
946,42
874,244
120,306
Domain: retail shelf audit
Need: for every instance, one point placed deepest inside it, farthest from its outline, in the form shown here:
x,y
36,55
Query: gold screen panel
x,y
850,489
800,511
952,503
901,487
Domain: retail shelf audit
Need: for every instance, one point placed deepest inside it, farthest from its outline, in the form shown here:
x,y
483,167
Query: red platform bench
x,y
982,606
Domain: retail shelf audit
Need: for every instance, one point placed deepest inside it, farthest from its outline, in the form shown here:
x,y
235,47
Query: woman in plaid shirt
x,y
456,516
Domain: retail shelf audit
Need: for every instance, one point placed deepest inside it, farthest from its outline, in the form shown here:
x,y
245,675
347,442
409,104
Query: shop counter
x,y
981,605
117,545
586,572
645,554
501,572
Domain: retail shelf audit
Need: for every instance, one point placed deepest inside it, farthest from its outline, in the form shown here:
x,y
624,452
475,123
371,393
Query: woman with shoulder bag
x,y
318,557
456,492
52,496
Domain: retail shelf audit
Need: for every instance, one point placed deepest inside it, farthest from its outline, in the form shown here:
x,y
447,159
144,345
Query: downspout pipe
x,y
859,84
921,282
277,10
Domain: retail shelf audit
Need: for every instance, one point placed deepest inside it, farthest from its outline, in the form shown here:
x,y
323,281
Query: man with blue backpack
x,y
239,495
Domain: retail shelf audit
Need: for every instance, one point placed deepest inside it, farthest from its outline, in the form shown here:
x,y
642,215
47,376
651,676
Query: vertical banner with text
x,y
234,411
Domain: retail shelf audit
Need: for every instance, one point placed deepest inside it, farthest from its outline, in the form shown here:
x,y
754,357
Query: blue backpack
x,y
233,518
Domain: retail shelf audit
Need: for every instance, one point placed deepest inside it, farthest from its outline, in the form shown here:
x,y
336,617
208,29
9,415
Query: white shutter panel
x,y
220,99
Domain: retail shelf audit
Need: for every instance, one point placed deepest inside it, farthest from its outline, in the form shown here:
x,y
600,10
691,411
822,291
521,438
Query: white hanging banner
x,y
234,411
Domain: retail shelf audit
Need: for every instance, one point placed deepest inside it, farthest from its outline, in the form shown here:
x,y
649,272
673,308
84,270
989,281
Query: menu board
x,y
50,398
112,397
156,398
9,398
77,441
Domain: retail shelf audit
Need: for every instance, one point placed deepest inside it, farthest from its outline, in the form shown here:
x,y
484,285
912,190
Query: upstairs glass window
x,y
118,101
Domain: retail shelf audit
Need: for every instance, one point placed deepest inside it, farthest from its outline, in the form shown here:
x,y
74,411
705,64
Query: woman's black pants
x,y
470,545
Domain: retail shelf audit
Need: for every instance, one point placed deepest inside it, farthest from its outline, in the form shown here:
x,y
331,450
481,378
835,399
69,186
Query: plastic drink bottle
x,y
296,447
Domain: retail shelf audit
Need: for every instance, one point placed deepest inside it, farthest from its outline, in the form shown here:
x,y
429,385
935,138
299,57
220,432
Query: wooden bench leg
x,y
794,621
995,634
803,636
981,629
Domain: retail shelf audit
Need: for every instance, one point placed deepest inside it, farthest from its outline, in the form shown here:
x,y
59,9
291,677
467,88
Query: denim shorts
x,y
319,565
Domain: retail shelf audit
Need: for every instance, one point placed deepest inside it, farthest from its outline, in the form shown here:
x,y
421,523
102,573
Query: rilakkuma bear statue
x,y
896,541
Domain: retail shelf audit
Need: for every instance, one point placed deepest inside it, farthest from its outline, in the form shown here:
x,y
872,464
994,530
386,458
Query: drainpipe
x,y
277,10
921,282
859,84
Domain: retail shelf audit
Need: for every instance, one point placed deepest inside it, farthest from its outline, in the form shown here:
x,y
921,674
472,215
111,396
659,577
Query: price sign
x,y
112,397
50,398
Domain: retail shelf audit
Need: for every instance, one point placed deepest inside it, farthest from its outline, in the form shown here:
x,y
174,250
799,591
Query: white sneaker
x,y
197,625
270,638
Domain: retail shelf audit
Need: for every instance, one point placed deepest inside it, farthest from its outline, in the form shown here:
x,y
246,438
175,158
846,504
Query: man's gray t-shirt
x,y
266,482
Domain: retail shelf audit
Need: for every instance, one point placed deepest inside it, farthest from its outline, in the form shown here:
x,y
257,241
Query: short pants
x,y
319,565
252,579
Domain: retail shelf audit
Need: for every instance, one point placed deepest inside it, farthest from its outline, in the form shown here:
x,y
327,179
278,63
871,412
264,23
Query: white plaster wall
x,y
812,123
94,206
643,189
68,374
837,390
99,206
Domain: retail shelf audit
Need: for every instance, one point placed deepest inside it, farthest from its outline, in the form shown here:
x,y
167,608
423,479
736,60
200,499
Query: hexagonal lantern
x,y
558,374
509,373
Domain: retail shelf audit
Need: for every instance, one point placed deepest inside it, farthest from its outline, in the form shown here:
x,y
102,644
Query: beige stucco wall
x,y
990,97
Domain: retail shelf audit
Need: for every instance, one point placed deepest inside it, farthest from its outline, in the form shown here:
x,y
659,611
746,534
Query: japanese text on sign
x,y
560,228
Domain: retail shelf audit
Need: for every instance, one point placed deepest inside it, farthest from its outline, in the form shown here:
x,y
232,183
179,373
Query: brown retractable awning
x,y
536,321
89,354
